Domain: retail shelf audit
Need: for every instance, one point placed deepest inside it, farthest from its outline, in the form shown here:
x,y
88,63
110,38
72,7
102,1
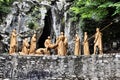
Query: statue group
x,y
60,46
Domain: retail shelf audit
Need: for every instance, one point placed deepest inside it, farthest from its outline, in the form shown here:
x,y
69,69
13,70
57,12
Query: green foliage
x,y
94,9
4,8
33,21
33,25
117,7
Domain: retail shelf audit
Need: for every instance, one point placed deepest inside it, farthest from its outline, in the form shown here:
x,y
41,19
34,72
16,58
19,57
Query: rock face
x,y
45,17
60,68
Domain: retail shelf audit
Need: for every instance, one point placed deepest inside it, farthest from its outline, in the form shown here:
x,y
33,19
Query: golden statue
x,y
25,47
56,48
42,51
33,44
62,45
48,43
66,45
77,45
13,42
86,45
98,41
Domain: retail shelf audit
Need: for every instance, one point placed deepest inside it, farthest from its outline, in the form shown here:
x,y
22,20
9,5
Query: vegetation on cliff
x,y
5,8
95,9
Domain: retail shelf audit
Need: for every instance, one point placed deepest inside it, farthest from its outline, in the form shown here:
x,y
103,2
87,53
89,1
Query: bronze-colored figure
x,y
33,45
62,45
98,41
42,51
56,48
86,45
77,45
13,42
25,47
48,43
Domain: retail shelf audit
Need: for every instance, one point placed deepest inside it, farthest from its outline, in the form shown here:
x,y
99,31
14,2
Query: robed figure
x,y
48,43
62,45
25,47
33,45
77,45
98,41
86,45
13,42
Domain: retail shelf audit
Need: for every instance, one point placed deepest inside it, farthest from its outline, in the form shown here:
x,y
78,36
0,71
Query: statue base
x,y
94,67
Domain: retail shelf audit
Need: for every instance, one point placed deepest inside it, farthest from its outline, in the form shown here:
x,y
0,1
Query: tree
x,y
94,9
98,13
5,7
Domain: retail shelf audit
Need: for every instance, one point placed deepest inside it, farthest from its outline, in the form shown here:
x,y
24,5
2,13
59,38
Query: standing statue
x,y
62,45
13,42
56,48
25,47
33,44
98,41
86,45
77,45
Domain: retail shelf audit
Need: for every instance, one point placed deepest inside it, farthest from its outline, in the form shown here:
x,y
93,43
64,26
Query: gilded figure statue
x,y
33,45
62,45
98,41
86,45
77,51
25,47
42,51
48,43
13,42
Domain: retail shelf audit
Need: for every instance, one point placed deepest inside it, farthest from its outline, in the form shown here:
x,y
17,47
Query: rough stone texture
x,y
59,67
51,15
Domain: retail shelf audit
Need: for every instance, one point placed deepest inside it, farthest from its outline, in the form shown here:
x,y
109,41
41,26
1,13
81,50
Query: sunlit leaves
x,y
5,6
105,5
94,9
117,6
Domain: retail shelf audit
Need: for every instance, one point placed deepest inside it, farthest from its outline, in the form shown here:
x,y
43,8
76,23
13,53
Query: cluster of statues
x,y
60,46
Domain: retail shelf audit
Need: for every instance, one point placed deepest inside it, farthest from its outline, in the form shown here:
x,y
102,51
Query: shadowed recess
x,y
46,30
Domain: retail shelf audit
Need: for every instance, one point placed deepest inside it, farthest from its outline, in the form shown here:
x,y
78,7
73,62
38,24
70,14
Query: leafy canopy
x,y
5,8
94,9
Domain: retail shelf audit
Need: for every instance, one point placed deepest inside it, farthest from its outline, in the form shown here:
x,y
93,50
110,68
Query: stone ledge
x,y
94,67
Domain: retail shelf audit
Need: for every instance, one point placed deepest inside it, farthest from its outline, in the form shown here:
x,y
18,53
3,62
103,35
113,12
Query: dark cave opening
x,y
46,30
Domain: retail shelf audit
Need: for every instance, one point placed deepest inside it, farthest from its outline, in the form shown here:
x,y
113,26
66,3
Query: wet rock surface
x,y
55,67
43,17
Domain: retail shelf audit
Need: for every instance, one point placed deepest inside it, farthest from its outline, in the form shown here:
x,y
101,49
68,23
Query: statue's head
x,y
48,37
85,33
26,39
62,33
97,29
76,35
34,35
14,30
